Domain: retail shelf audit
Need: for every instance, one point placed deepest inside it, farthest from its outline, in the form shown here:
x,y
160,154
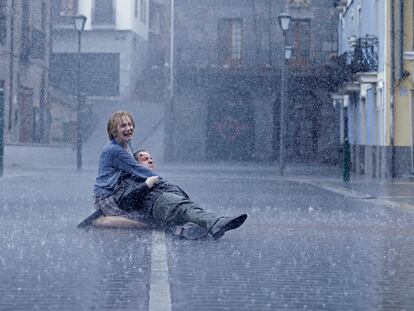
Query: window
x,y
103,12
155,19
68,7
38,43
230,42
25,114
25,36
3,21
44,17
143,12
299,3
299,37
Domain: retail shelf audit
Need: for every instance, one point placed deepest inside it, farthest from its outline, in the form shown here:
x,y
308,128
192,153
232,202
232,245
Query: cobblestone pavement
x,y
302,248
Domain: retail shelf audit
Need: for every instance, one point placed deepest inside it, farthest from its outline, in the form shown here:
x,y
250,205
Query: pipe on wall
x,y
11,66
392,82
400,34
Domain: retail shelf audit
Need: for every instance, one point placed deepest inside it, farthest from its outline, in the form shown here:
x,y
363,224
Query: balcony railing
x,y
252,59
364,56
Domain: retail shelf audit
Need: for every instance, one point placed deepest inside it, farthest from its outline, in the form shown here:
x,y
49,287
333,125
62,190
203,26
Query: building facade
x,y
376,38
24,66
225,81
114,55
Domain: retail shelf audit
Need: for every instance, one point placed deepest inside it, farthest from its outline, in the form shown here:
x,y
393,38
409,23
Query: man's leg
x,y
172,209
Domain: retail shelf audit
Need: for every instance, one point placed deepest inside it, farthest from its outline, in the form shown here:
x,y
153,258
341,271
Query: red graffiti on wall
x,y
230,128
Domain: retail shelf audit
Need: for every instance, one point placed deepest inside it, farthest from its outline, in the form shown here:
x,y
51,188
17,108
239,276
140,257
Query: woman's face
x,y
124,130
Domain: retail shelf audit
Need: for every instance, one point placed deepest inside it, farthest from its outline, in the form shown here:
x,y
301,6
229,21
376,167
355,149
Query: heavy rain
x,y
297,114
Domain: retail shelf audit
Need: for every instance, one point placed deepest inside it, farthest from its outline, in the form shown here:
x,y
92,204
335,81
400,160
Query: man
x,y
124,186
170,202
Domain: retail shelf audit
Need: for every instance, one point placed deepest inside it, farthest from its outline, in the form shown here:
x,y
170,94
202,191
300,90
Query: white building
x,y
114,52
114,46
362,35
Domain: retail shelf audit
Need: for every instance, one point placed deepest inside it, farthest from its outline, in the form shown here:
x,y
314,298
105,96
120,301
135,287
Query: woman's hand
x,y
151,181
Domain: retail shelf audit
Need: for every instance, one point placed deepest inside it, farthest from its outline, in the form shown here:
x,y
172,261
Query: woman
x,y
116,161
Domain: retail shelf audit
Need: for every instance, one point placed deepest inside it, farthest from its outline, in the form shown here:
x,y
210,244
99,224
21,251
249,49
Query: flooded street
x,y
302,247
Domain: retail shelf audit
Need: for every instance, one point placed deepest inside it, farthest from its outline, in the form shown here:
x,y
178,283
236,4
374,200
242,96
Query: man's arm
x,y
123,161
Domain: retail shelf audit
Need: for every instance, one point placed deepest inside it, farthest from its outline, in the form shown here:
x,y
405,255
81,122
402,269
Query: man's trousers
x,y
174,209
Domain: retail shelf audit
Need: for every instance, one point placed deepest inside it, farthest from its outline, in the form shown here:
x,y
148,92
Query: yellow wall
x,y
402,92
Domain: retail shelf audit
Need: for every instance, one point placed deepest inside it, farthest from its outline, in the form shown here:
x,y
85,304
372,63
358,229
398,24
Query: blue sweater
x,y
114,161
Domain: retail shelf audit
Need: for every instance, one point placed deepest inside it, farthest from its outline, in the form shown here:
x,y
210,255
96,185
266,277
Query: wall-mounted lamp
x,y
284,21
288,52
352,41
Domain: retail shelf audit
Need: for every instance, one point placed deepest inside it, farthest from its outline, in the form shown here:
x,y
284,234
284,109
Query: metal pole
x,y
169,135
172,51
282,111
1,131
346,150
78,109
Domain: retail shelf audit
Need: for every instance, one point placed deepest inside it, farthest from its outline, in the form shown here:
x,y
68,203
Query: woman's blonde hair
x,y
114,120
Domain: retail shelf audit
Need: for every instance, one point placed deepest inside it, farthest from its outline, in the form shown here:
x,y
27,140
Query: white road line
x,y
160,292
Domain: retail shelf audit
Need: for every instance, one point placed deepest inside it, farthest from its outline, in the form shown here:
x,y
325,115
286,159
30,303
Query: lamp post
x,y
1,130
169,134
284,21
346,146
79,21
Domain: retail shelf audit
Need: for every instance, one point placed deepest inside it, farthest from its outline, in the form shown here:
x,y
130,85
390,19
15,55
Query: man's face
x,y
145,159
124,130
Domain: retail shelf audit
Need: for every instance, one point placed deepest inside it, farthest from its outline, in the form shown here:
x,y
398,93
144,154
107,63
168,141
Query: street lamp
x,y
284,21
288,52
169,134
1,131
79,21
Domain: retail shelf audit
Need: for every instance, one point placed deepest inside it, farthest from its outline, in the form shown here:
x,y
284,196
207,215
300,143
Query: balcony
x,y
206,59
363,56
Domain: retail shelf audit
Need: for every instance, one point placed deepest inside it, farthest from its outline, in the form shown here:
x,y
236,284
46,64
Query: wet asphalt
x,y
302,247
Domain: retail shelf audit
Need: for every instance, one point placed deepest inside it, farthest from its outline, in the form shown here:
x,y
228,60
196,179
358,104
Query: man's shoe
x,y
190,231
224,224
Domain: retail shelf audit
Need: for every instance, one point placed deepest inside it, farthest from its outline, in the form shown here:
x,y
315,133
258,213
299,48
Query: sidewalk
x,y
398,192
